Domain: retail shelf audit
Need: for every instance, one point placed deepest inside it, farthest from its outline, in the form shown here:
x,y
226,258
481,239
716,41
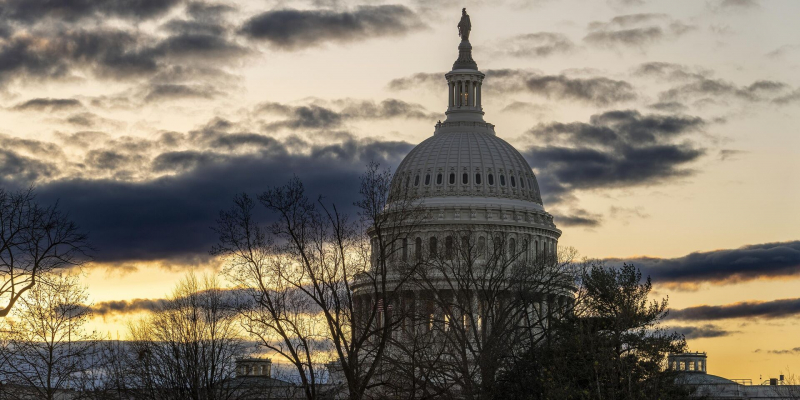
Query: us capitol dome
x,y
466,175
457,256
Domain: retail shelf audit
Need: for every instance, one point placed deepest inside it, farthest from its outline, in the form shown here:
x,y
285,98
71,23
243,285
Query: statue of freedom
x,y
464,26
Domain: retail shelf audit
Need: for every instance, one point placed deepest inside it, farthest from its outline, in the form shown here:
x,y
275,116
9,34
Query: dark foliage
x,y
610,347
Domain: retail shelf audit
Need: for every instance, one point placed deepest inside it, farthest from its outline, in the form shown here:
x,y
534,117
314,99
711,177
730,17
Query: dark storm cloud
x,y
105,308
615,149
15,167
48,104
782,308
47,52
599,91
760,261
297,29
703,331
539,44
170,217
634,30
30,11
107,52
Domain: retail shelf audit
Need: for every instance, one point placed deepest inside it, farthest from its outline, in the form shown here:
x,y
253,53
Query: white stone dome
x,y
467,159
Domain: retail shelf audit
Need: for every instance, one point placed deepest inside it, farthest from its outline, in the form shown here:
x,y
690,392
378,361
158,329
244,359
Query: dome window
x,y
491,179
522,182
432,246
427,179
465,178
477,179
502,180
416,180
439,179
452,178
513,182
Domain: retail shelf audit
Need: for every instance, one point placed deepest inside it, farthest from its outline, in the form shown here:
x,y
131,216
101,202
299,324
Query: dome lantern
x,y
464,81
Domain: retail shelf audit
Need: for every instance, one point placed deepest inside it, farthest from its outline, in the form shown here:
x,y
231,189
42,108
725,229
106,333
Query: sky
x,y
662,133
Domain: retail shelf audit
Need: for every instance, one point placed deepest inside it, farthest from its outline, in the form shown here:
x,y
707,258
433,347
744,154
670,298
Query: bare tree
x,y
48,349
34,240
481,300
317,278
186,349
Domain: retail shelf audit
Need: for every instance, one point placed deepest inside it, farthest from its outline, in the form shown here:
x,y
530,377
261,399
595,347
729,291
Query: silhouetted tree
x,y
34,241
47,348
609,347
302,271
186,349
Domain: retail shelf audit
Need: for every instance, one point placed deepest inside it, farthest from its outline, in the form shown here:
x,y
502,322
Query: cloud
x,y
114,51
48,105
728,154
670,71
701,332
669,106
579,218
782,51
160,92
105,308
535,45
789,98
795,350
31,11
153,199
624,215
598,90
290,29
324,116
782,308
634,30
16,167
420,79
738,4
529,109
615,149
697,83
705,87
768,260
